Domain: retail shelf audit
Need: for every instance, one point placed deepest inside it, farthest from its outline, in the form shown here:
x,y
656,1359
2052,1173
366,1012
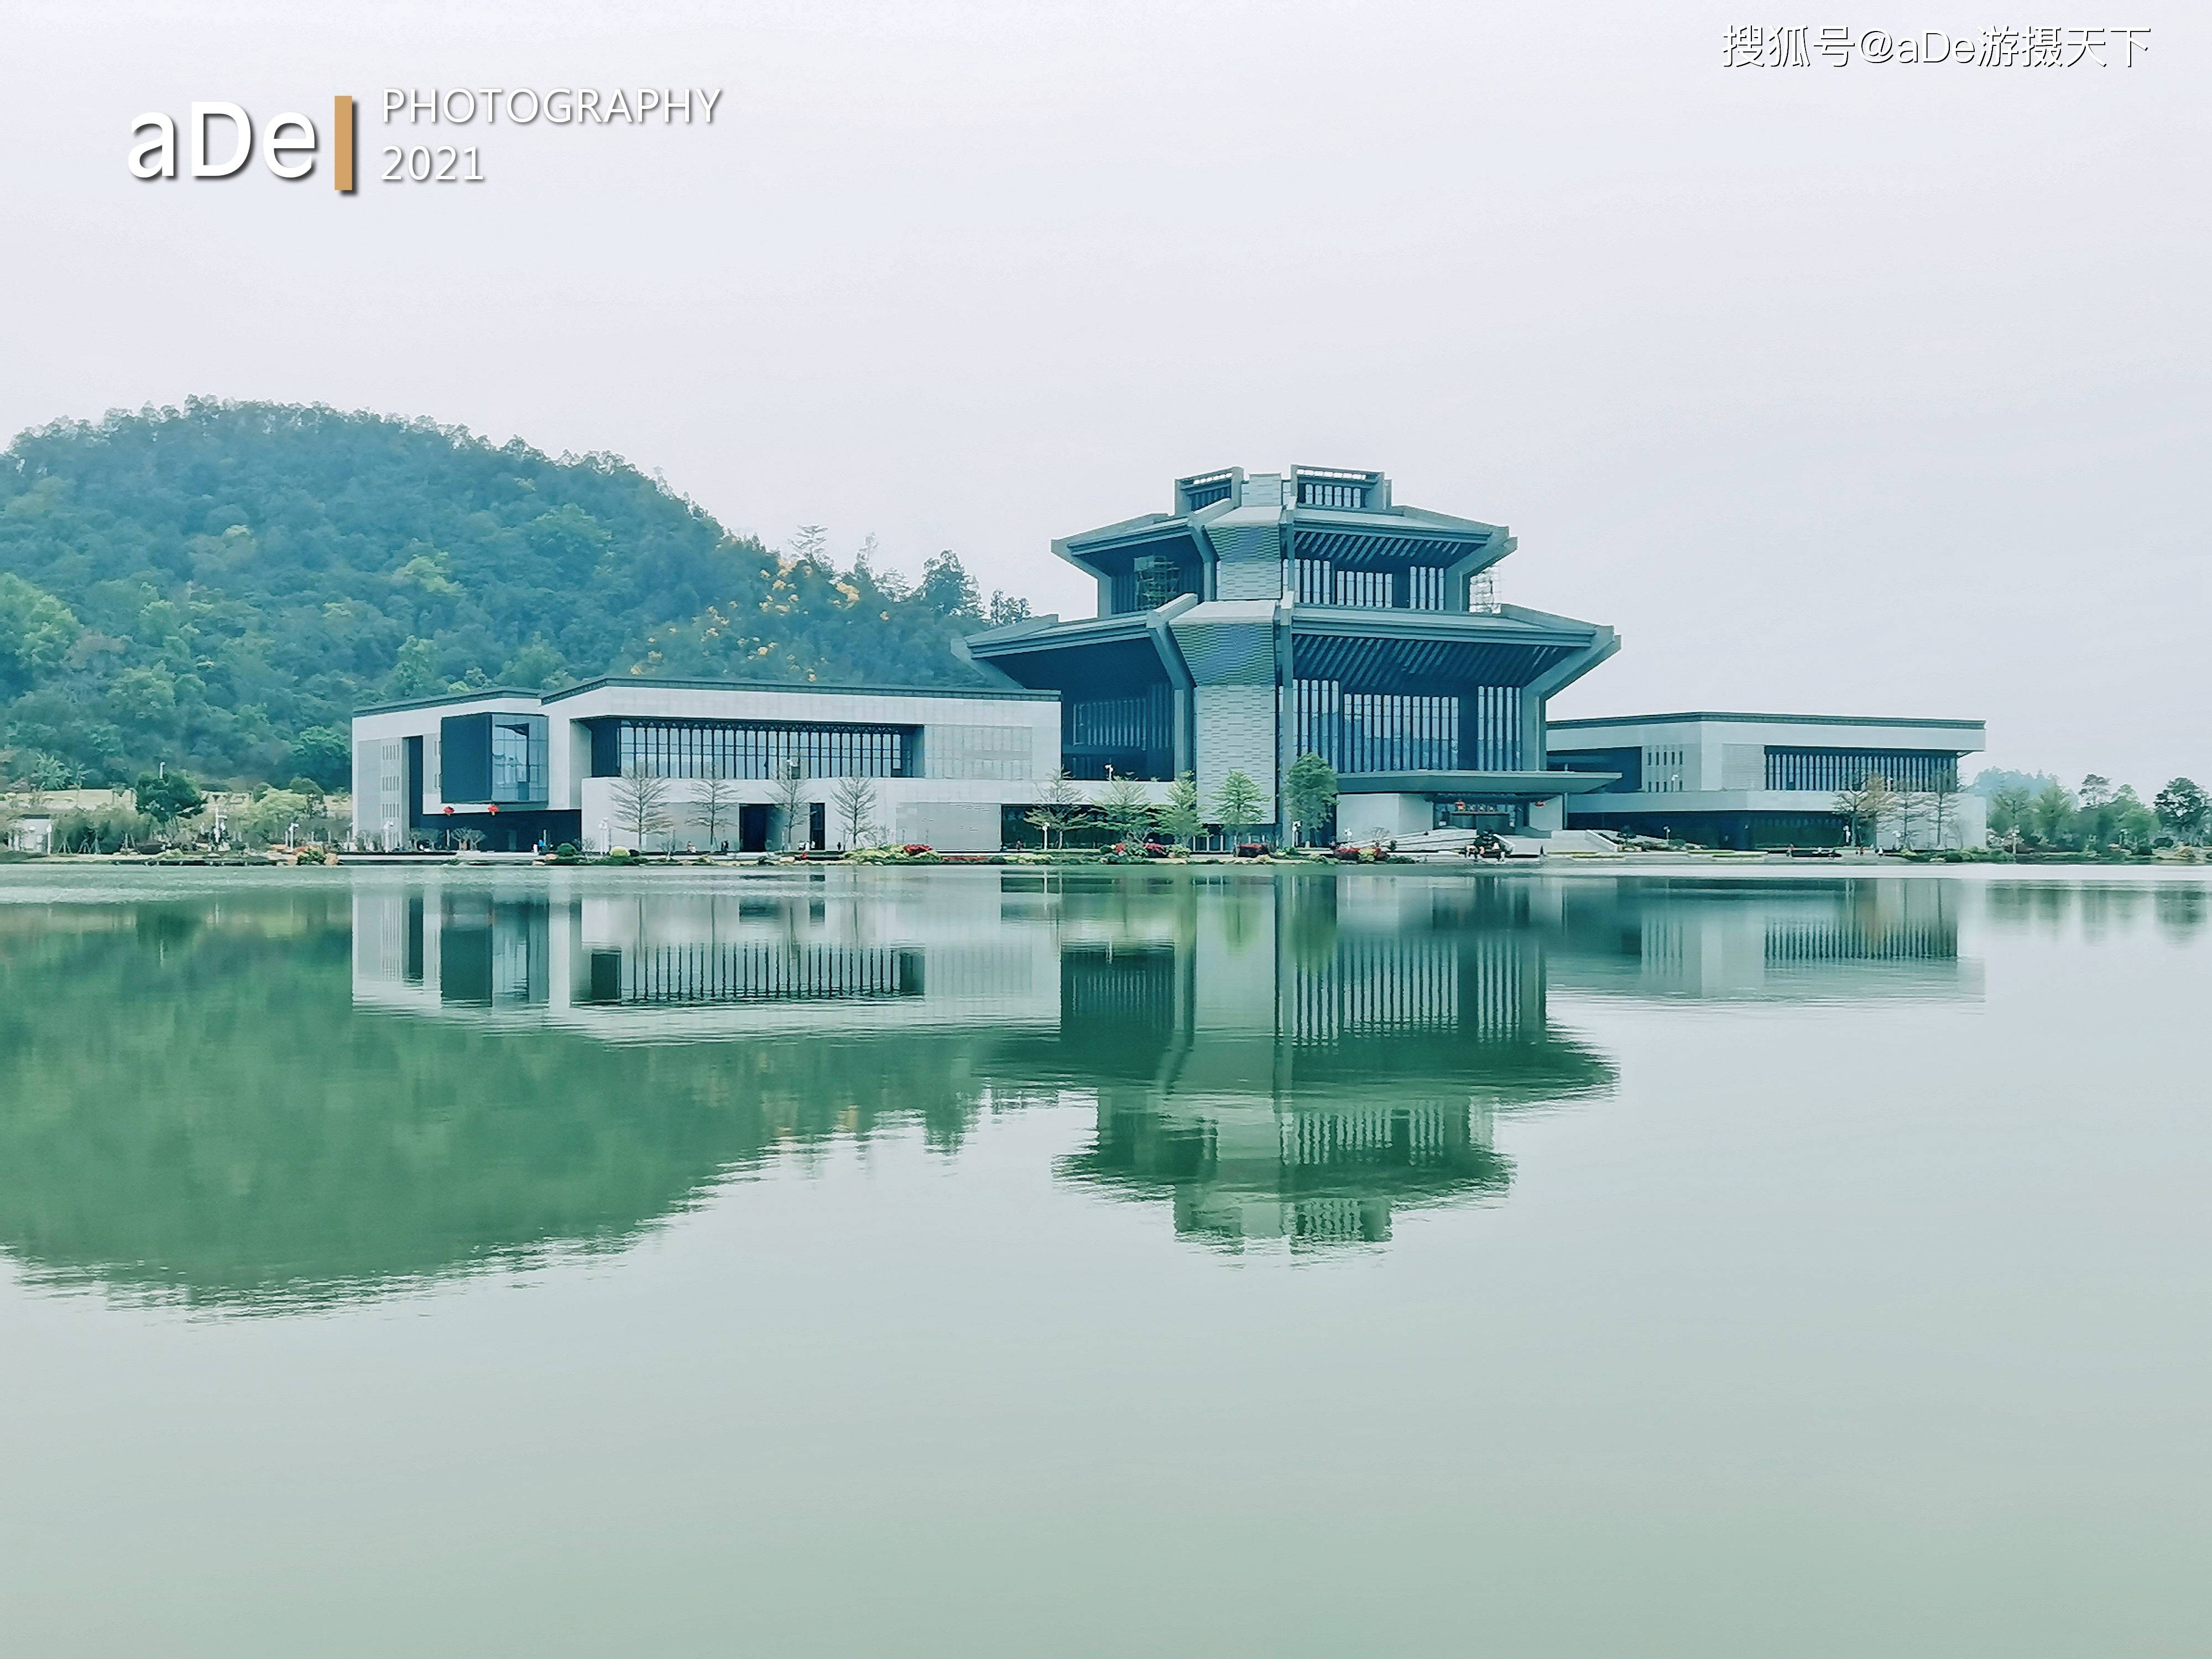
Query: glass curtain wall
x,y
1416,587
519,770
1828,770
1133,734
707,749
1359,731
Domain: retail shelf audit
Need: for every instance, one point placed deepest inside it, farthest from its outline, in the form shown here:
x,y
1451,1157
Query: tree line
x,y
2043,812
2034,811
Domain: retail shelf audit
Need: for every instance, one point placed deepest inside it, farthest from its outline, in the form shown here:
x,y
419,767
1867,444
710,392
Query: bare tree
x,y
1865,807
1908,810
791,801
855,798
641,803
717,799
1943,805
1057,809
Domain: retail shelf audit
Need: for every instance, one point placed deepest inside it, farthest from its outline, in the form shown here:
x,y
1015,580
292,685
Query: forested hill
x,y
218,586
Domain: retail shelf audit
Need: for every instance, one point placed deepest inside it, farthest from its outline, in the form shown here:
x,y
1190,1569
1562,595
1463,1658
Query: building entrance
x,y
1500,816
752,828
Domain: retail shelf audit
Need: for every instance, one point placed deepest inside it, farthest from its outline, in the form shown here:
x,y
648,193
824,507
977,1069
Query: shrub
x,y
894,855
106,831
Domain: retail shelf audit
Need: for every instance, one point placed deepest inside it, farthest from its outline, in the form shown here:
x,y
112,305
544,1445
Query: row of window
x,y
753,972
1828,770
1418,587
1155,580
1325,492
1134,735
1662,770
1490,739
719,748
1376,730
1359,731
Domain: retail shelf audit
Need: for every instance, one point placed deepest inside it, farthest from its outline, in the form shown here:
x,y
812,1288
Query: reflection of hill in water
x,y
193,1106
267,1096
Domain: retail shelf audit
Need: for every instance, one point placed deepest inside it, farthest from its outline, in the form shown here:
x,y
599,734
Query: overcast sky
x,y
1874,390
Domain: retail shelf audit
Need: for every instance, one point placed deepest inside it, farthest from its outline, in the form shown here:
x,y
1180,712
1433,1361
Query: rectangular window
x,y
1366,590
1364,732
1827,771
1324,492
1133,736
729,748
1490,724
1416,587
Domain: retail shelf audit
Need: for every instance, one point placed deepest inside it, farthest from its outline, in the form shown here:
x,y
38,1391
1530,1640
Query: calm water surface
x,y
1221,1262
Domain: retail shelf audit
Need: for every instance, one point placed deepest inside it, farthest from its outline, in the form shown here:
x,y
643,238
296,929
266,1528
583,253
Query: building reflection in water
x,y
1303,1059
1295,1058
795,956
378,1084
1849,937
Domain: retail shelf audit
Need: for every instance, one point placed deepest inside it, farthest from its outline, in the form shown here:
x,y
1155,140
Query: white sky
x,y
1867,389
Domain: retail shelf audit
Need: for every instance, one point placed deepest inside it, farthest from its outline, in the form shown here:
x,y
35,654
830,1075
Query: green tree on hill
x,y
210,583
36,632
323,755
168,795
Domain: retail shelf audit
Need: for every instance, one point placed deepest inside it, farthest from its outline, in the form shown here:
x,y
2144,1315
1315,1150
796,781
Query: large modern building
x,y
1268,615
516,767
1749,781
1262,617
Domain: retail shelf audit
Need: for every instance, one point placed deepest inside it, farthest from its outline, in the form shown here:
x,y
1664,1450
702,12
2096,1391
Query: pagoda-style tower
x,y
1271,615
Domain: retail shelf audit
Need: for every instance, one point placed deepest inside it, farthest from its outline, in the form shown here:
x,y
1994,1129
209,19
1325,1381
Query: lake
x,y
1097,1262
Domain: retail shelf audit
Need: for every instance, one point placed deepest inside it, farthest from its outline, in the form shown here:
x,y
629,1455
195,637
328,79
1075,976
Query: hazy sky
x,y
1872,390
